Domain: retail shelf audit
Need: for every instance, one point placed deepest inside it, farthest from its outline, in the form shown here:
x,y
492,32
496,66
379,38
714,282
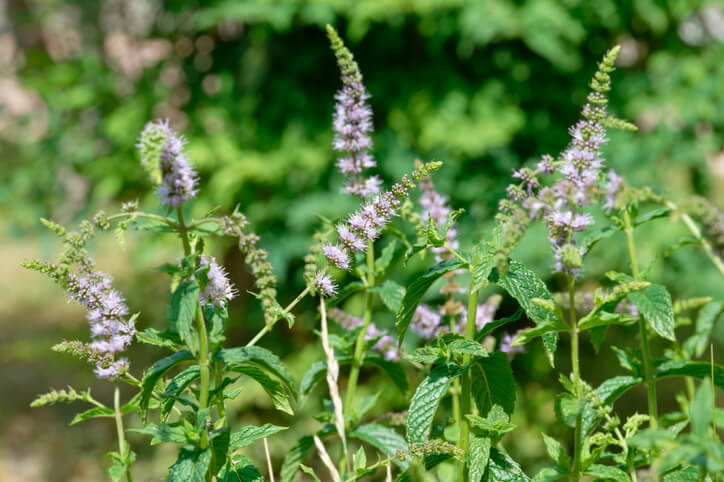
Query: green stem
x,y
648,371
267,328
465,397
218,380
575,364
203,354
154,217
456,392
359,344
122,445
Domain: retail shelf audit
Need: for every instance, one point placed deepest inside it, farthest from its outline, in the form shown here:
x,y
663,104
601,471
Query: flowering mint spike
x,y
219,290
352,123
580,183
106,313
163,154
324,285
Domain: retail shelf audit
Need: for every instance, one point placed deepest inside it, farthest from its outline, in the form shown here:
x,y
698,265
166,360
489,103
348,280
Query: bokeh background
x,y
483,85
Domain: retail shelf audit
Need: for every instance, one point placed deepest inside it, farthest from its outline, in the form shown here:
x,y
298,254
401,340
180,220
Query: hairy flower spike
x,y
578,183
163,154
324,285
352,122
219,290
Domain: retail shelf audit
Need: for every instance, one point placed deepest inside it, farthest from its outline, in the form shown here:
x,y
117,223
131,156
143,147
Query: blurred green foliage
x,y
484,86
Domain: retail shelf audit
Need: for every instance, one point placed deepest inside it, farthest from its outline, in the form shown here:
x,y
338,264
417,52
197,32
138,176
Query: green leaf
x,y
360,459
426,400
166,432
216,316
494,426
611,389
294,457
182,312
655,213
495,324
483,264
94,412
694,369
165,339
593,236
383,438
154,373
391,294
654,304
465,346
493,383
708,315
190,466
550,474
385,258
176,387
241,469
280,397
549,327
607,472
501,468
478,456
604,318
249,434
311,377
415,292
261,356
524,285
700,409
556,452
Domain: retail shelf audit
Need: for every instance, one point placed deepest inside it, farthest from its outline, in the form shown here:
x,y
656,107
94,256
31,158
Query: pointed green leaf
x,y
294,457
190,466
176,387
260,356
654,304
249,434
501,468
415,292
611,389
556,452
700,409
607,472
391,294
92,413
182,312
426,400
708,315
166,432
694,369
383,438
240,469
280,397
493,383
478,456
155,372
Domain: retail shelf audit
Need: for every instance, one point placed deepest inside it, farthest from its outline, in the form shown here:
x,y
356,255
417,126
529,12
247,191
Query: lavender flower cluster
x,y
578,181
219,290
163,153
352,123
363,226
106,312
385,343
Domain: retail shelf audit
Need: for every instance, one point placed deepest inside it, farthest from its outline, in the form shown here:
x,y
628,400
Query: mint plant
x,y
462,398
